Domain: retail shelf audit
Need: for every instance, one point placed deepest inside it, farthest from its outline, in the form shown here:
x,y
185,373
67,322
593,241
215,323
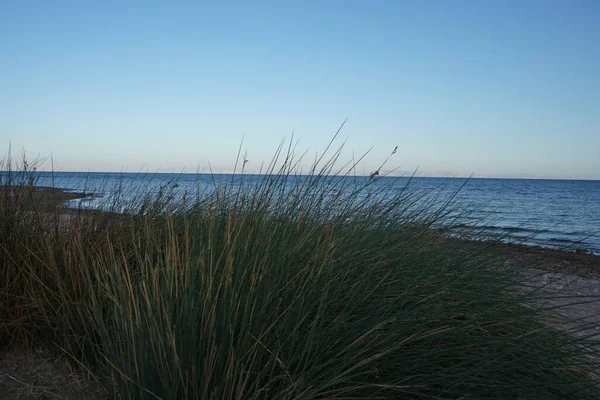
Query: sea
x,y
563,214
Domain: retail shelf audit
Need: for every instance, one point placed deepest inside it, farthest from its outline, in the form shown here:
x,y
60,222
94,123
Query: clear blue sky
x,y
494,88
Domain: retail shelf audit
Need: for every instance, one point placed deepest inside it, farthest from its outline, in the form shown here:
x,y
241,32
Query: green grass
x,y
307,290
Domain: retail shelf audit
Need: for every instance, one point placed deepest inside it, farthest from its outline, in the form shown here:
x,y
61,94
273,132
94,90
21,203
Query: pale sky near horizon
x,y
491,88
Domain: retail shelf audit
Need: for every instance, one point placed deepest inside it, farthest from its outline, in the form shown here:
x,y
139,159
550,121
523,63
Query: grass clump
x,y
286,287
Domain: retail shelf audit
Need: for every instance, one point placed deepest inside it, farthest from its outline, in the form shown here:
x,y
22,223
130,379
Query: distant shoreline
x,y
45,197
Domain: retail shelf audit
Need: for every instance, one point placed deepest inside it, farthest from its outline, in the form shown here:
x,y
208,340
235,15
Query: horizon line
x,y
406,175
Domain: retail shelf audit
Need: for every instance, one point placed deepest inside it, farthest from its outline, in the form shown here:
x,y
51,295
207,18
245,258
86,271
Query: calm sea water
x,y
550,213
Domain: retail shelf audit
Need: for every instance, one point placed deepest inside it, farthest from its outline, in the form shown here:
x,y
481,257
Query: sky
x,y
490,88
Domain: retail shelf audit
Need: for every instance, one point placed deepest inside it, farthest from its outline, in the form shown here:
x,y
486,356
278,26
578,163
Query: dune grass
x,y
287,287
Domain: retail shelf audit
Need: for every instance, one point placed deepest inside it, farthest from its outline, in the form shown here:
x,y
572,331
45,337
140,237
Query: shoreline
x,y
581,263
